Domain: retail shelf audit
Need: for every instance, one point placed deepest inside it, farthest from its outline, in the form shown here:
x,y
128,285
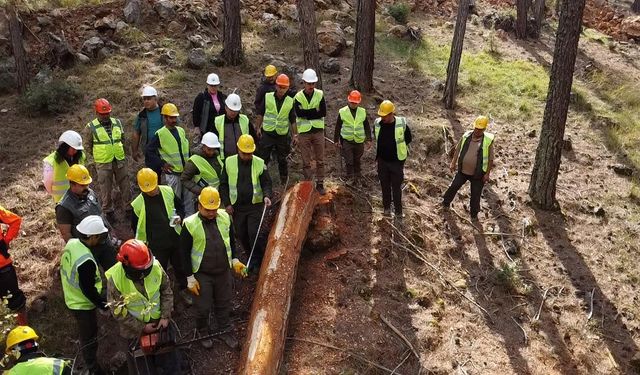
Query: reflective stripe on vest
x,y
274,119
60,183
401,146
207,173
169,151
39,366
135,303
105,149
141,213
352,129
487,140
304,125
74,255
219,123
194,225
257,168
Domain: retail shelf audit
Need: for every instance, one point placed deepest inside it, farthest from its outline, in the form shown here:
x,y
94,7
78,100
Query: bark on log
x,y
266,331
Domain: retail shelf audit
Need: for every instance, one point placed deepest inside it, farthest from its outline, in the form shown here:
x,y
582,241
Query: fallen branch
x,y
402,362
397,332
593,291
544,297
526,339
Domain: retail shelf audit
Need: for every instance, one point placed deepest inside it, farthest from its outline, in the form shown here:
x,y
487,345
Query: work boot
x,y
206,343
186,296
320,188
387,212
230,340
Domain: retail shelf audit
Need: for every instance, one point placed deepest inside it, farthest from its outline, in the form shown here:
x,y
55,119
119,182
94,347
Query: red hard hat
x,y
282,80
354,97
135,254
102,106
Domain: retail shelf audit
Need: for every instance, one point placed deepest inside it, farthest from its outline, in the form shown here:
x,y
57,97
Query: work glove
x,y
193,285
4,249
239,268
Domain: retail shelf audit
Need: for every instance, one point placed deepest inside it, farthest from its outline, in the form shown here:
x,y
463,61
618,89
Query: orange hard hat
x,y
354,97
135,254
282,80
102,106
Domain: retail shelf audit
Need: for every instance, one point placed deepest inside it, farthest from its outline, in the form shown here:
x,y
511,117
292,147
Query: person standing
x,y
11,293
147,123
473,161
267,84
22,344
54,171
392,139
202,169
311,110
208,105
351,132
230,126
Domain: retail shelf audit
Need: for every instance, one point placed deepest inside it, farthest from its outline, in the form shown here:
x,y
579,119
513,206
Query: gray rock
x,y
175,27
197,41
197,58
121,25
84,59
91,46
43,76
133,11
166,9
104,53
331,38
168,57
105,24
62,51
44,21
289,11
268,17
331,66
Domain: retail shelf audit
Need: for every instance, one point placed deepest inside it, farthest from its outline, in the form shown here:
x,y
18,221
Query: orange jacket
x,y
13,221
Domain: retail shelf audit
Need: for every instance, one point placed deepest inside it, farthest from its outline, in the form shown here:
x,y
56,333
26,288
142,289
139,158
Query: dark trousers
x,y
246,220
391,175
152,364
9,288
352,153
476,191
88,330
170,254
216,292
279,143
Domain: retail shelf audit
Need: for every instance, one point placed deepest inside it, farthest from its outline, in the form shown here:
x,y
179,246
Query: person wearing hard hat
x,y
105,144
352,131
230,126
55,165
245,187
472,161
202,169
311,109
275,117
139,294
147,123
392,139
208,246
22,345
208,105
82,286
267,84
10,292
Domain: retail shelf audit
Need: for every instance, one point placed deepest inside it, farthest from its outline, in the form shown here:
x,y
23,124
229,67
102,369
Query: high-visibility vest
x,y
243,120
139,306
352,128
194,225
39,366
401,145
75,254
60,183
487,140
304,125
257,168
274,119
140,211
206,171
169,151
105,149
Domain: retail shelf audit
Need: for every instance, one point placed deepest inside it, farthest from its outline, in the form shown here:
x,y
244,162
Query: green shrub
x,y
56,96
399,12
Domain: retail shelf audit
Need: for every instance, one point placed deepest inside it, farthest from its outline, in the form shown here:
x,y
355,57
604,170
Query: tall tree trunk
x,y
310,49
362,72
521,18
453,68
232,38
539,15
635,7
542,187
19,54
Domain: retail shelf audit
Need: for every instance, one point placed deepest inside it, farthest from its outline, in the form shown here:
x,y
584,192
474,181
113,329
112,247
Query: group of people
x,y
196,207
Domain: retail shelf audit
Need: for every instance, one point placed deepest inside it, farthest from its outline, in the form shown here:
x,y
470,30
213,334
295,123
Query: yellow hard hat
x,y
246,144
79,174
18,335
270,71
481,122
209,198
170,109
386,107
147,180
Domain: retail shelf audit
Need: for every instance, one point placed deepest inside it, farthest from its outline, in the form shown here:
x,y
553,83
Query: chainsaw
x,y
164,341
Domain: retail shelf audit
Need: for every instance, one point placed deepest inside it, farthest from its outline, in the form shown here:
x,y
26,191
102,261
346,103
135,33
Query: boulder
x,y
338,16
331,38
331,66
175,27
84,59
268,17
61,51
91,46
197,58
44,21
121,25
104,52
105,24
197,41
631,27
133,11
289,12
399,31
168,57
166,9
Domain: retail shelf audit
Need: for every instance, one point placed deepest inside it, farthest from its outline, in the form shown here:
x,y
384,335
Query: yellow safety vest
x,y
75,254
487,140
257,168
194,225
219,124
353,128
401,145
39,366
105,149
169,151
143,308
304,125
273,119
140,211
60,183
207,173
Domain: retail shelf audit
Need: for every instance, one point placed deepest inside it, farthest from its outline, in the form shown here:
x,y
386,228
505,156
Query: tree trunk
x,y
521,18
453,68
362,72
232,41
539,14
635,7
542,187
19,54
310,49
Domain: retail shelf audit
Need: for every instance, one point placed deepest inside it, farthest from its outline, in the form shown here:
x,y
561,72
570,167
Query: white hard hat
x,y
72,138
213,79
310,76
233,102
210,139
92,225
149,91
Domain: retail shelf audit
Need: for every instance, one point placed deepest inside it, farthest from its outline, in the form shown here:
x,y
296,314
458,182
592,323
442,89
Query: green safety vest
x,y
304,125
352,129
60,183
274,120
140,307
487,140
105,148
39,366
401,146
219,124
257,168
194,225
169,151
207,173
74,255
140,211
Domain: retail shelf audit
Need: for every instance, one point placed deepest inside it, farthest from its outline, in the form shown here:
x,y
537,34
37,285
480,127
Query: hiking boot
x,y
230,340
186,296
320,188
206,343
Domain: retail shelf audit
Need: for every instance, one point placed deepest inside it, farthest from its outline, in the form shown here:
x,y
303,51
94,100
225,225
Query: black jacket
x,y
198,104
